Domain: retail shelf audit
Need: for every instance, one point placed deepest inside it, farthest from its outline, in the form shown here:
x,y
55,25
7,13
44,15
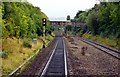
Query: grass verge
x,y
17,53
105,41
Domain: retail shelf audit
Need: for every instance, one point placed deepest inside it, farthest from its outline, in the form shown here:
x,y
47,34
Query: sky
x,y
59,9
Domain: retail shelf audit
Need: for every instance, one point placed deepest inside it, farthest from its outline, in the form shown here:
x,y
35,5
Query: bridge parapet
x,y
66,23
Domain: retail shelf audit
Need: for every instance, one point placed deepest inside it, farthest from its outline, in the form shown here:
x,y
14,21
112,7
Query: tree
x,y
78,13
68,17
103,19
21,20
92,23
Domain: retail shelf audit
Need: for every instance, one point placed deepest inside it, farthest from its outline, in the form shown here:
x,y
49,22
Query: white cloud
x,y
62,8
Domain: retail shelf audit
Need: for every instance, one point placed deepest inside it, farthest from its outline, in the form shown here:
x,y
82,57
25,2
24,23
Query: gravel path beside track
x,y
94,62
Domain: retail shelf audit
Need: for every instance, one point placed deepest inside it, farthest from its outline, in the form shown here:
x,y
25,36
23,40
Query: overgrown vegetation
x,y
19,53
3,55
26,43
105,40
21,22
102,21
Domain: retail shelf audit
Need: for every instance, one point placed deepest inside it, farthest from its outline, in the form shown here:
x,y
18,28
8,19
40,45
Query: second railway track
x,y
113,52
57,64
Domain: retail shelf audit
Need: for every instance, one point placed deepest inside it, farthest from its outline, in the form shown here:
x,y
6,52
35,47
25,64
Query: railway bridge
x,y
66,23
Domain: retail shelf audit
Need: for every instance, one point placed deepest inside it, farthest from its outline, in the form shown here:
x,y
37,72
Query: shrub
x,y
3,55
34,36
27,44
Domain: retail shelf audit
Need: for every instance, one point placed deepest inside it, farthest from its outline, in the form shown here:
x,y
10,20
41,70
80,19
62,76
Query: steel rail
x,y
45,70
65,58
107,50
46,66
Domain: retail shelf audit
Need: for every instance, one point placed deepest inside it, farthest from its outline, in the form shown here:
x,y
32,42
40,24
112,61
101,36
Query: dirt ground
x,y
92,62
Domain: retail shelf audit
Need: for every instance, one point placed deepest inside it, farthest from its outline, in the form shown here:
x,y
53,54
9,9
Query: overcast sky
x,y
59,9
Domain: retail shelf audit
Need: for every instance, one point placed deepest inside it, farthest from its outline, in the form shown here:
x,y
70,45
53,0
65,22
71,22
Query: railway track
x,y
56,65
113,52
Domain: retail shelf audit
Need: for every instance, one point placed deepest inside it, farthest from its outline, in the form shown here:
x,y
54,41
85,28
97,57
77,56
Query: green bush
x,y
34,36
26,43
3,55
